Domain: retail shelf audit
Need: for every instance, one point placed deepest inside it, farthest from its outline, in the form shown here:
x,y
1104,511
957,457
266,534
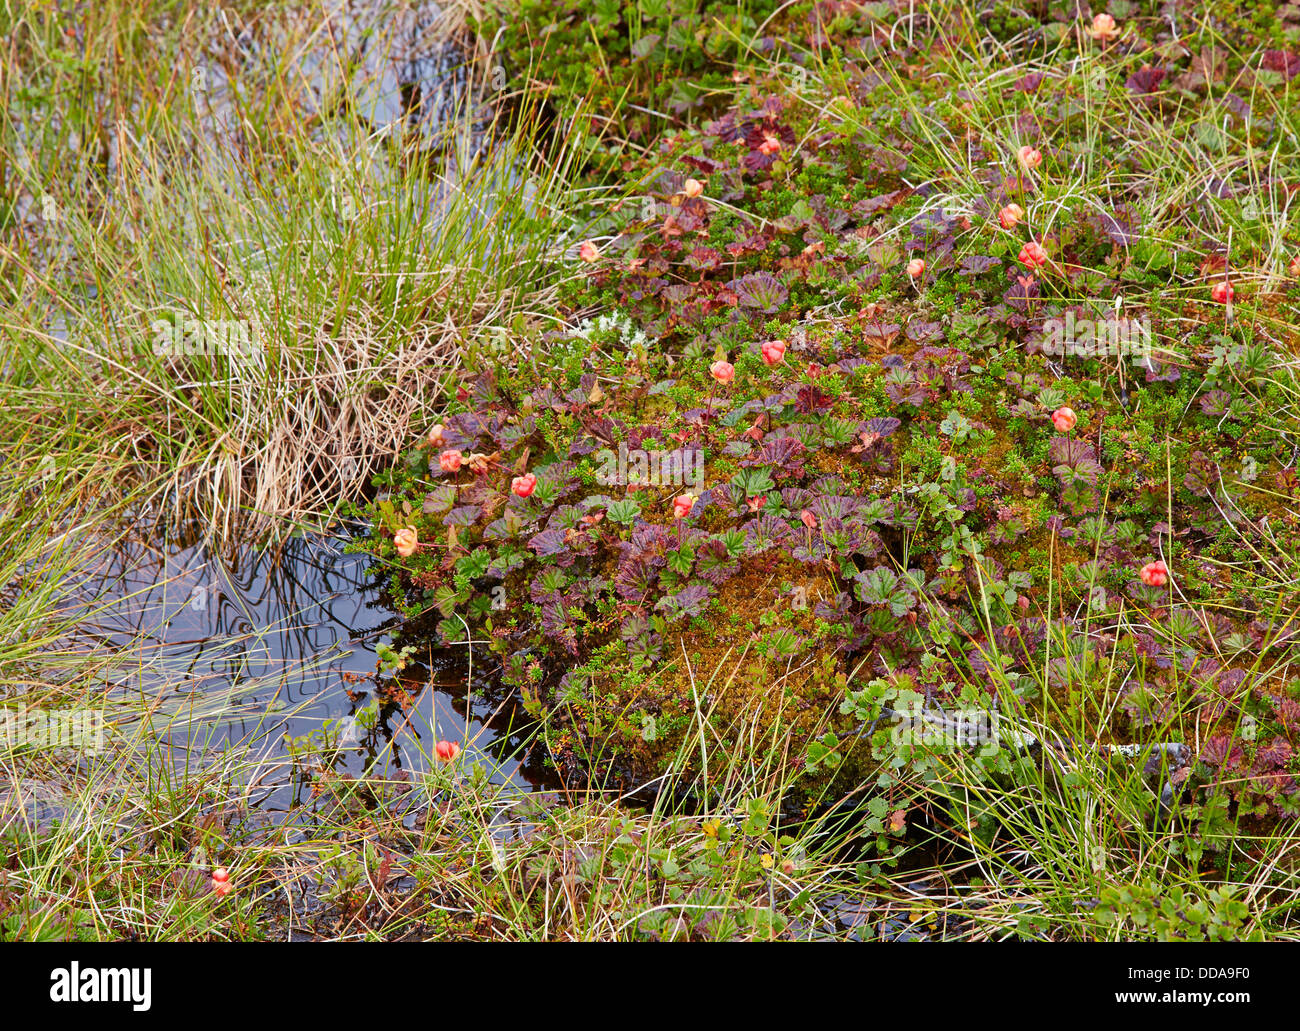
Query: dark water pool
x,y
245,647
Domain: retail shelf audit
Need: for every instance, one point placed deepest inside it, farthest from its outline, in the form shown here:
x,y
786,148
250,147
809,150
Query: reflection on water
x,y
253,645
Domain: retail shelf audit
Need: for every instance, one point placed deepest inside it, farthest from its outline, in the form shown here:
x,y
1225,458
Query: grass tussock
x,y
220,255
